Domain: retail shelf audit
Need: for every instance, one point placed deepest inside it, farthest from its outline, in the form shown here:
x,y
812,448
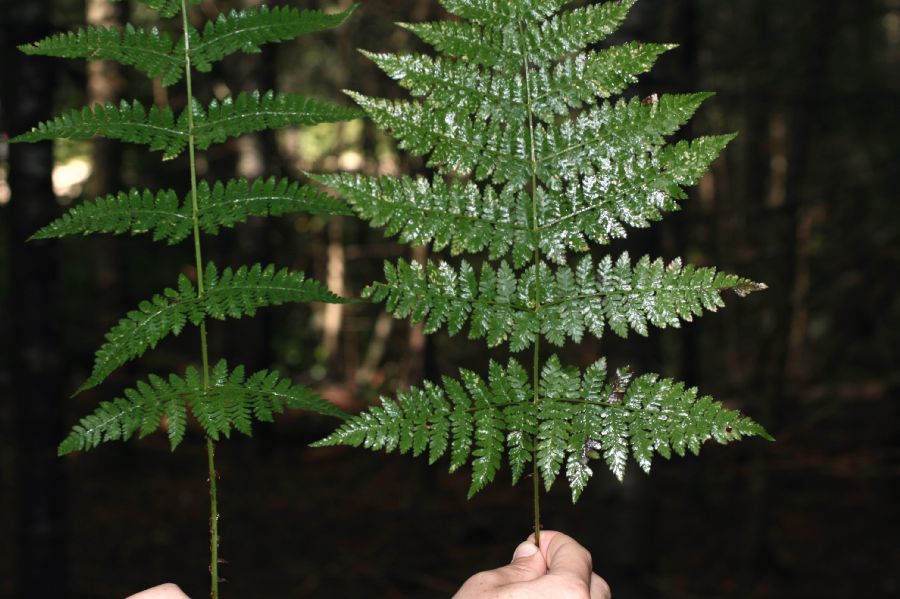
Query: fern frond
x,y
166,8
467,417
239,293
233,294
455,215
463,86
246,30
133,212
129,122
457,144
578,414
252,112
502,12
500,304
572,31
231,402
149,51
225,205
477,44
602,136
585,77
157,128
222,205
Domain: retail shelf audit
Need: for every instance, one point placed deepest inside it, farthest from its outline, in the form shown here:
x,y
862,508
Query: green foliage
x,y
233,294
577,415
537,158
230,402
222,205
160,130
158,55
209,207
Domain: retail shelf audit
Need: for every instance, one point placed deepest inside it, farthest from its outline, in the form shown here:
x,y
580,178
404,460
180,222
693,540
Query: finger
x,y
565,557
163,591
599,588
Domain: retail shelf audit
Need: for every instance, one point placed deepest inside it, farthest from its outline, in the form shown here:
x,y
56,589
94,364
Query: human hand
x,y
560,568
163,591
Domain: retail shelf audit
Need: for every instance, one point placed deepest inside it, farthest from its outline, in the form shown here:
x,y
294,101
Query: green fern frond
x,y
572,31
166,8
455,215
129,122
494,12
225,205
538,157
246,30
579,414
222,205
457,143
583,78
149,51
231,402
157,128
500,305
233,294
255,111
463,39
131,212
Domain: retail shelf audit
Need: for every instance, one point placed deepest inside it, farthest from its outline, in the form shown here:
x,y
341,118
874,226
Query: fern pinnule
x,y
537,158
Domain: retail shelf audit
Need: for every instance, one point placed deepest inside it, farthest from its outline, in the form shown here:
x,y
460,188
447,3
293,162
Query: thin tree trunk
x,y
104,85
27,93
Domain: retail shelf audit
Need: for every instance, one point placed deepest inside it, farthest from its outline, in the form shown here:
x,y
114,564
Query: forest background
x,y
804,200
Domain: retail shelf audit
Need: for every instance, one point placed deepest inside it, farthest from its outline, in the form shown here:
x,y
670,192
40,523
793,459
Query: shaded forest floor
x,y
342,523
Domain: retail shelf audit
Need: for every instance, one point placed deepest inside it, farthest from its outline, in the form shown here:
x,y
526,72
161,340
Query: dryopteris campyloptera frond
x,y
220,399
516,112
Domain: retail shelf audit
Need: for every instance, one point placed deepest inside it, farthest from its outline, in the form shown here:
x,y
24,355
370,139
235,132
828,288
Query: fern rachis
x,y
542,163
220,398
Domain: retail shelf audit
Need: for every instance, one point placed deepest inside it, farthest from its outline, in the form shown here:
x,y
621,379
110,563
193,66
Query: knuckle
x,y
574,589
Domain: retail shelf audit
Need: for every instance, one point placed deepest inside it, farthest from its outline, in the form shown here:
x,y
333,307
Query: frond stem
x,y
536,473
204,350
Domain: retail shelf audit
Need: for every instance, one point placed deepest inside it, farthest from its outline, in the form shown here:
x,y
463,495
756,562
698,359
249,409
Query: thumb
x,y
527,564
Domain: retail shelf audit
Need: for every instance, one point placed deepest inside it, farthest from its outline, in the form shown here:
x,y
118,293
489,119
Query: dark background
x,y
805,200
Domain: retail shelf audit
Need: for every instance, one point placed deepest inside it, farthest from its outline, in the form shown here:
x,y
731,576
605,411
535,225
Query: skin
x,y
559,568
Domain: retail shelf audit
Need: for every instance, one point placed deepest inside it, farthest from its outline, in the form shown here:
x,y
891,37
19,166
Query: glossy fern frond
x,y
499,305
538,157
255,111
147,50
158,55
248,29
161,131
579,414
130,121
161,214
231,294
231,402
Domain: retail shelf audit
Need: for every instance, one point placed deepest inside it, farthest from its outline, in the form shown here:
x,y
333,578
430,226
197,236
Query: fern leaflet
x,y
231,402
222,205
233,294
579,414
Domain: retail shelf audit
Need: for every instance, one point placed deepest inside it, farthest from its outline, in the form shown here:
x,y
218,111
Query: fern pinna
x,y
221,398
534,162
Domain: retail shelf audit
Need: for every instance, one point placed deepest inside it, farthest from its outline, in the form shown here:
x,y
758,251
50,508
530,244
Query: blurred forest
x,y
805,200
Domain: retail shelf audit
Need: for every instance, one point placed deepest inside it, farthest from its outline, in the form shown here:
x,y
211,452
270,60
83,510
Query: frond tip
x,y
231,402
579,415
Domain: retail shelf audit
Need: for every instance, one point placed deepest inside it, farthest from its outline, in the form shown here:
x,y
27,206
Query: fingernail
x,y
526,549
